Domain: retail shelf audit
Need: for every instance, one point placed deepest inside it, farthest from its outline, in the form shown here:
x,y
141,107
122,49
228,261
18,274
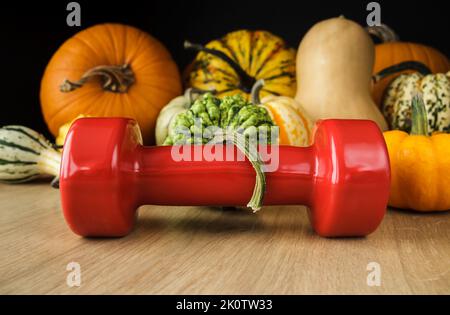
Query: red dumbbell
x,y
106,174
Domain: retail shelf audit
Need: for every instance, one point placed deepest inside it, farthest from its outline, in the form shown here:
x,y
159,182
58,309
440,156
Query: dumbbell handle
x,y
162,180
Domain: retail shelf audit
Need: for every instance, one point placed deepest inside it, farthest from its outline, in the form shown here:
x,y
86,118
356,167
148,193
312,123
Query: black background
x,y
32,32
348,304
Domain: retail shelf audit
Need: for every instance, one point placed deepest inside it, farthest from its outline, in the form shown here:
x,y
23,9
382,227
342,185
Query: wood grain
x,y
192,250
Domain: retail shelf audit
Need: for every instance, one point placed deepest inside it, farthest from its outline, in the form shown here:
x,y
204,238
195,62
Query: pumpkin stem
x,y
116,79
419,123
383,33
255,92
406,65
245,80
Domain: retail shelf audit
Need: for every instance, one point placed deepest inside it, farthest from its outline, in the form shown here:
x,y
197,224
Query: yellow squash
x,y
63,130
420,165
235,62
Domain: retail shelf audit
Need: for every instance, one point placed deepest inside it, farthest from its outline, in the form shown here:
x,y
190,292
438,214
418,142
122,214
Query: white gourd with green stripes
x,y
25,155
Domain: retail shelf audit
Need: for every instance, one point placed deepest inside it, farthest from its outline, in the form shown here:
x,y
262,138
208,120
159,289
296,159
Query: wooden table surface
x,y
193,250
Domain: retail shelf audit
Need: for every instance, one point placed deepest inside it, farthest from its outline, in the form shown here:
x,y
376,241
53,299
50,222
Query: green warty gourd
x,y
232,113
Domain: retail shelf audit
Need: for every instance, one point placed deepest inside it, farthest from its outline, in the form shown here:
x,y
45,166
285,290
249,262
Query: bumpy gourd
x,y
232,112
26,155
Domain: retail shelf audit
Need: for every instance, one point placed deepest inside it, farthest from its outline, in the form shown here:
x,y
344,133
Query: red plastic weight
x,y
106,174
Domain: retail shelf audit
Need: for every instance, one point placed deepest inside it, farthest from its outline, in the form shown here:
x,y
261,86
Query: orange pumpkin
x,y
391,52
109,70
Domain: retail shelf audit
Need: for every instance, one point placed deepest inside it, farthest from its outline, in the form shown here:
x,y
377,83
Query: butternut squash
x,y
334,70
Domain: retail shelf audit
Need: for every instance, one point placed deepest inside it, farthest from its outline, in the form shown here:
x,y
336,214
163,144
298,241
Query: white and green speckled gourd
x,y
435,88
26,155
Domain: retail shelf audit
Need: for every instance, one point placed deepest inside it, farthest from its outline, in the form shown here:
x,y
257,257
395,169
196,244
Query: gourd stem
x,y
419,123
189,93
246,81
117,79
255,92
256,201
406,65
383,33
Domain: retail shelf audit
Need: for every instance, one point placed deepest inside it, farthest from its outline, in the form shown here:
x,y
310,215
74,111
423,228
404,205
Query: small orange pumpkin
x,y
391,52
109,70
